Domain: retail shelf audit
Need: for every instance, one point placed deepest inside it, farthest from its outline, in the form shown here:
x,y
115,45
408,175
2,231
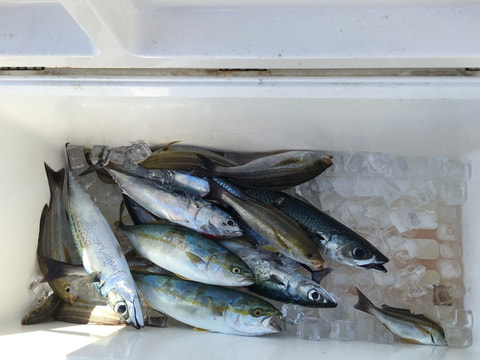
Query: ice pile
x,y
409,208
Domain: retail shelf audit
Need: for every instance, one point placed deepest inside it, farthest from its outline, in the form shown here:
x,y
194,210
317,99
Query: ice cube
x,y
339,281
355,163
380,163
387,279
343,330
449,214
436,167
344,186
453,193
449,269
463,318
418,166
405,219
448,232
329,201
418,303
313,328
458,337
292,314
430,278
363,186
457,169
450,250
386,188
427,249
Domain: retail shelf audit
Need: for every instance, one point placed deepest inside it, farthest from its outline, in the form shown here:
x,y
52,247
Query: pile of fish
x,y
198,238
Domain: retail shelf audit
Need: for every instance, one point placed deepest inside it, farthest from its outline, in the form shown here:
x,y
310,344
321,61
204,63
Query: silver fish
x,y
188,254
102,256
414,328
277,171
281,279
178,207
209,307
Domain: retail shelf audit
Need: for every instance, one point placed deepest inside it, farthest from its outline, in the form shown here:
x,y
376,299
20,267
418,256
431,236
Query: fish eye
x,y
236,270
359,252
67,288
313,295
257,312
309,255
230,222
120,308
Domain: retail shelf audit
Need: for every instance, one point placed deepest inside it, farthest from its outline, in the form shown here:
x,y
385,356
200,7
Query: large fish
x,y
209,307
281,279
279,232
188,254
335,240
178,207
412,328
55,239
102,256
278,171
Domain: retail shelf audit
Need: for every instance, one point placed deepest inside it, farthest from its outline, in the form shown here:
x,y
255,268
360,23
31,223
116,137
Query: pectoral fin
x,y
194,259
215,311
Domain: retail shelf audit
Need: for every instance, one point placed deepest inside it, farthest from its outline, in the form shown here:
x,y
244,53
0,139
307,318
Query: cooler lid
x,y
240,34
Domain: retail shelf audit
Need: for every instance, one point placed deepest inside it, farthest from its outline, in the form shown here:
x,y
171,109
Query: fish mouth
x,y
374,266
273,323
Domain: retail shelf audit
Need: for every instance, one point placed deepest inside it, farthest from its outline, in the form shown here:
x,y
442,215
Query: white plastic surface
x,y
239,34
38,115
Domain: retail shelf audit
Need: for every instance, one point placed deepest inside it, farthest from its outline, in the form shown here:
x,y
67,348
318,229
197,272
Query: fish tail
x,y
207,167
55,179
363,303
58,269
318,275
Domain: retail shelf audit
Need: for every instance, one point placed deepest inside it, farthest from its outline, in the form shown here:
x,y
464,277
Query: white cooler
x,y
348,75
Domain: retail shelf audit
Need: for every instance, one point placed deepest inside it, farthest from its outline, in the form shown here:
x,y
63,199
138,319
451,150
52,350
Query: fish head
x,y
437,335
223,225
356,252
317,159
308,293
253,316
230,270
124,301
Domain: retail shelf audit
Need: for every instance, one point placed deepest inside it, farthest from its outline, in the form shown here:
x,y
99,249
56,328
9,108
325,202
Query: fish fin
x,y
199,329
55,178
57,269
194,258
276,280
207,167
182,277
92,277
166,147
41,230
91,169
363,303
396,310
269,248
215,310
318,275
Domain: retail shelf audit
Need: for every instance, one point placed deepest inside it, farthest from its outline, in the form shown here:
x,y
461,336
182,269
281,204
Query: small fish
x,y
102,256
126,158
209,307
411,327
188,254
55,239
335,240
282,280
85,313
276,172
181,157
178,207
279,232
43,310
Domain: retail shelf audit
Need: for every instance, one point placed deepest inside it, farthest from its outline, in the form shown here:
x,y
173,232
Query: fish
x,y
102,256
137,213
335,240
276,172
188,254
85,313
55,239
43,310
181,157
282,280
126,158
209,307
279,232
414,328
178,207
